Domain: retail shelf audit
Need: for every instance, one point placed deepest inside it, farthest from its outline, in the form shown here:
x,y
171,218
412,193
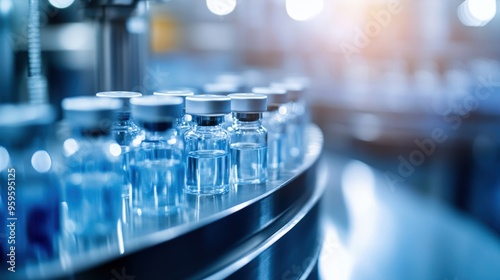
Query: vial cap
x,y
230,78
125,96
18,115
155,108
220,88
208,105
275,96
248,102
90,111
183,93
295,90
17,121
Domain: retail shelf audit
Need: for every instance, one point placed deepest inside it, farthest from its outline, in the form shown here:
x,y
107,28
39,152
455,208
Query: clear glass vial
x,y
92,176
185,121
30,193
275,121
297,121
248,139
157,169
207,145
124,130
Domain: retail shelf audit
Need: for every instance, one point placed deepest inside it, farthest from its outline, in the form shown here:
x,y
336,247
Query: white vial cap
x,y
229,78
248,102
208,105
155,108
275,96
175,92
220,88
295,90
90,111
183,93
123,95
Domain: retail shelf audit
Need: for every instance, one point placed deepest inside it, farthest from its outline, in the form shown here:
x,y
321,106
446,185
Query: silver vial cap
x,y
90,111
275,96
155,108
295,90
125,96
208,105
220,88
248,102
183,93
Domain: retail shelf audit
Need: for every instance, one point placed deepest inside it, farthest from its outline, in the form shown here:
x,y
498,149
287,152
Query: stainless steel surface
x,y
265,231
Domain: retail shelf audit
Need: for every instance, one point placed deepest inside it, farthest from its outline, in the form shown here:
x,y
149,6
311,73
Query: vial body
x,y
275,123
248,149
157,173
30,196
295,130
124,131
91,207
207,156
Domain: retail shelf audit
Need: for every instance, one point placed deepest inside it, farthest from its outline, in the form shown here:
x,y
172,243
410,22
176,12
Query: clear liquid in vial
x,y
248,163
207,172
157,186
93,209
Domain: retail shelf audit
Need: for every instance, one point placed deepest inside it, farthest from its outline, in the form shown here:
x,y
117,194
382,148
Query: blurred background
x,y
407,94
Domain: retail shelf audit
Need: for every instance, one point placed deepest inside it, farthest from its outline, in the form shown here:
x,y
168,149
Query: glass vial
x,y
92,178
248,139
275,121
296,124
185,121
156,157
30,193
207,145
124,130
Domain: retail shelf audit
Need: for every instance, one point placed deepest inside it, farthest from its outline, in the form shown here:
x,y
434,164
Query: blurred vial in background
x,y
248,139
275,121
185,121
298,118
124,131
157,170
29,198
220,88
207,145
234,79
92,178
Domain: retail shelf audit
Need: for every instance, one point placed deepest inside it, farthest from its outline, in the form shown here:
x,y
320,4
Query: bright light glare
x,y
115,149
477,12
70,147
61,4
483,10
75,36
5,6
4,158
41,161
302,10
221,7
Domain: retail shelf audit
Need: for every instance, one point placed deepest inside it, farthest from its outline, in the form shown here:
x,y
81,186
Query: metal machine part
x,y
121,54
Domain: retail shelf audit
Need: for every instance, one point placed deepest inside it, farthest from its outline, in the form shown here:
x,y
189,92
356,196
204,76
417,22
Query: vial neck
x,y
204,121
124,116
273,108
94,132
247,117
156,126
